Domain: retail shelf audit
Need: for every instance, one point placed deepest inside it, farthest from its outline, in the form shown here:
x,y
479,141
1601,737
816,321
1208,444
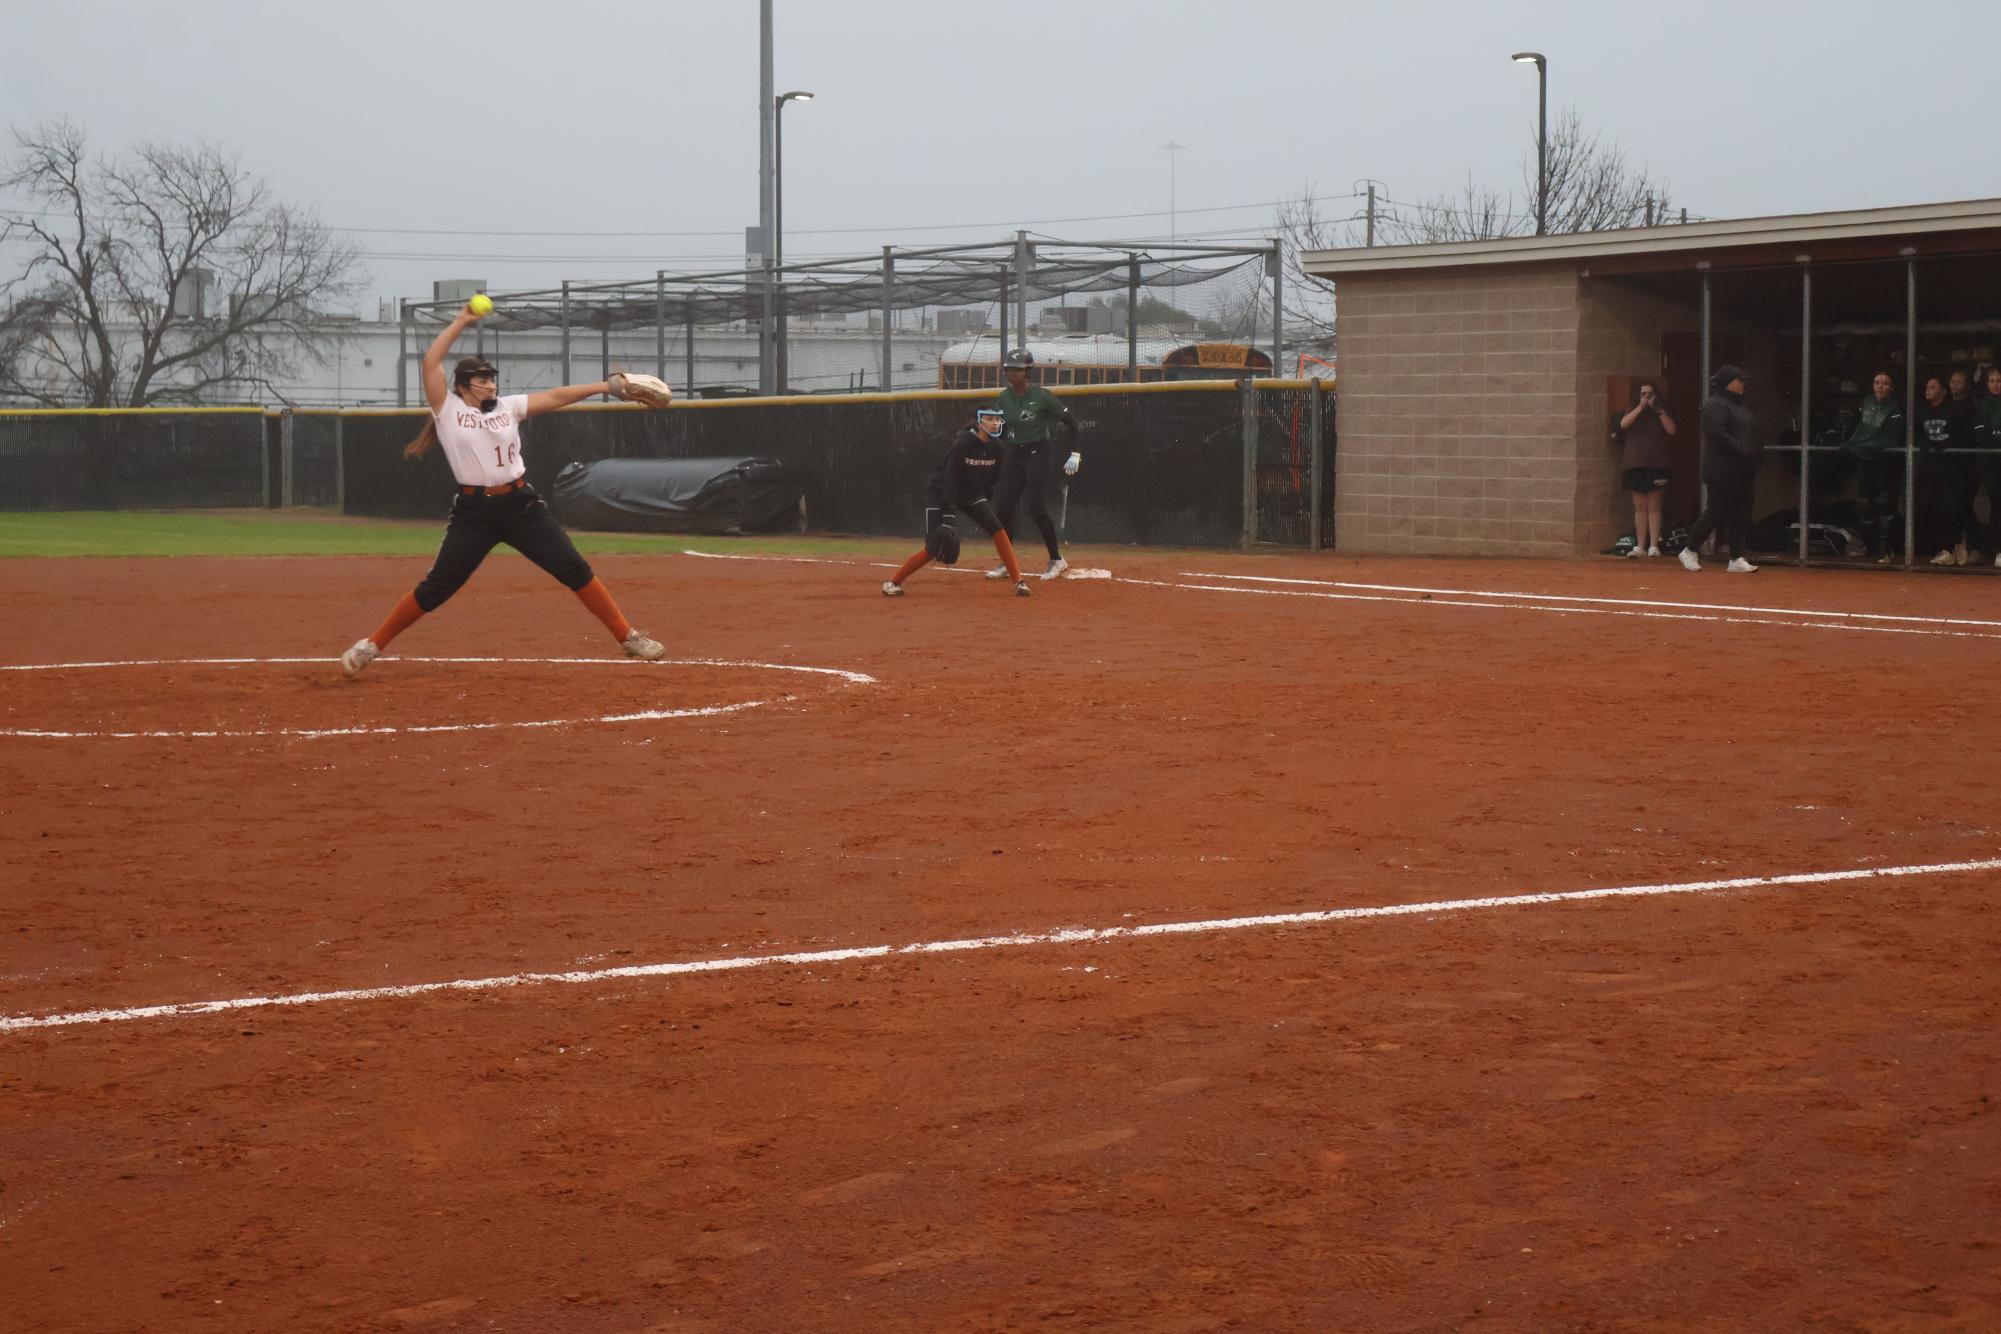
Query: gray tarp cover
x,y
678,495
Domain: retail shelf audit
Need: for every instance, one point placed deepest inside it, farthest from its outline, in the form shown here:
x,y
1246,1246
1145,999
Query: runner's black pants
x,y
478,524
1027,470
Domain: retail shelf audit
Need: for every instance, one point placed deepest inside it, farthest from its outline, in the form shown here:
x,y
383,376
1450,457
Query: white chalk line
x,y
421,729
1064,936
1617,602
1557,604
1429,601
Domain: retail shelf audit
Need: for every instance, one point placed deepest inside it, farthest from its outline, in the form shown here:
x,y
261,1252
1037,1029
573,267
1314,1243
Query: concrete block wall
x,y
1459,414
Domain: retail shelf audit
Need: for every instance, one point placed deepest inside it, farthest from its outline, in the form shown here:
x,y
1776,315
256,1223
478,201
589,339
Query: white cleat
x,y
358,657
891,589
637,645
997,572
1056,568
1689,560
1021,589
1738,565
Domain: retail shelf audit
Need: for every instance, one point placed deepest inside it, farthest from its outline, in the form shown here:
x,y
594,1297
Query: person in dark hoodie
x,y
1946,504
1876,447
1731,457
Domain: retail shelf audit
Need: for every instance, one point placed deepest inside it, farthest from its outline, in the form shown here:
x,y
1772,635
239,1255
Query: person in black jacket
x,y
1731,457
963,480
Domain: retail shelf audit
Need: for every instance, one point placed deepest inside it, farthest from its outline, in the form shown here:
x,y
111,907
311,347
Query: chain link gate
x,y
1287,501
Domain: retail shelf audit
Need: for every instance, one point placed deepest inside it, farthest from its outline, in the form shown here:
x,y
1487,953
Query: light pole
x,y
1541,136
778,218
1172,150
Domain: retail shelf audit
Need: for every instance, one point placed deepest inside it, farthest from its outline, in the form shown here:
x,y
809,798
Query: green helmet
x,y
1020,359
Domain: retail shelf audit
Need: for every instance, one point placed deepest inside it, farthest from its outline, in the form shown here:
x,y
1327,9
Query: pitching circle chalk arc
x,y
836,674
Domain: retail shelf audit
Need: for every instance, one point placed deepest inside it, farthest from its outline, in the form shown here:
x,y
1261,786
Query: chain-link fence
x,y
903,319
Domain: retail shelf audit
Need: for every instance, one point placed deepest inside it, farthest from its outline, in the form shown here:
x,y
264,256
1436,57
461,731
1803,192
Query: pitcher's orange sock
x,y
401,617
917,561
598,598
1005,545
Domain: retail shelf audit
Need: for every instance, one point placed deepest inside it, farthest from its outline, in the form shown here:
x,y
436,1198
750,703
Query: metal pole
x,y
1001,351
566,331
1248,396
1277,262
1132,318
1369,232
340,462
285,470
1021,286
779,369
1317,425
604,348
1806,404
402,353
1910,407
1702,488
766,94
888,313
660,323
1542,147
688,310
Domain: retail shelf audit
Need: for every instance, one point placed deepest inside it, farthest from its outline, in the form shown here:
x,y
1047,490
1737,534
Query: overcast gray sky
x,y
418,123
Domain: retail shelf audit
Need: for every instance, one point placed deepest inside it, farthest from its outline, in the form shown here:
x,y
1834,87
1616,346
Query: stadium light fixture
x,y
1541,135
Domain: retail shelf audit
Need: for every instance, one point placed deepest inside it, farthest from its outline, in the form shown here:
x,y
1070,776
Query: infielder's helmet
x,y
1020,359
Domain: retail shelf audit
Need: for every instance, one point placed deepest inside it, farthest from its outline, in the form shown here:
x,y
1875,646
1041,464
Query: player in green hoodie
x,y
1876,445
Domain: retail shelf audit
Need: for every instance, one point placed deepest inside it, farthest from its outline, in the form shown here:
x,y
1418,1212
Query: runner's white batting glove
x,y
1071,464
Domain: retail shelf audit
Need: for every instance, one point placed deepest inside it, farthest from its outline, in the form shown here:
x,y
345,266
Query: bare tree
x,y
159,277
1302,226
1592,187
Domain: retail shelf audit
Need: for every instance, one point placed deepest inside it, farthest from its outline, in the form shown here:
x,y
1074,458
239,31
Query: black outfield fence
x,y
1196,464
1164,465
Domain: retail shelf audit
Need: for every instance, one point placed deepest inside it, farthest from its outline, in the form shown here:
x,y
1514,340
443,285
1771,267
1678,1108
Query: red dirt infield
x,y
1759,1108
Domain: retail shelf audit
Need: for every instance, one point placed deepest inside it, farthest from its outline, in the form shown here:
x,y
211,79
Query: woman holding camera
x,y
1648,459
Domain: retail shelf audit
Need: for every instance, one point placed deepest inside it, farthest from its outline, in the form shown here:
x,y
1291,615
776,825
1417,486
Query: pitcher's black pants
x,y
522,520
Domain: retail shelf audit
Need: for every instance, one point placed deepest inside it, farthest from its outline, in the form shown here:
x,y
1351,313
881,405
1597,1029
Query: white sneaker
x,y
1944,557
1738,565
1689,560
1997,560
1959,553
891,589
1653,551
1056,568
997,572
1636,553
365,652
1021,589
637,645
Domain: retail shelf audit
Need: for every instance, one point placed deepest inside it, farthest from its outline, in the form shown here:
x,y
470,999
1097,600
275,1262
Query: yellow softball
x,y
481,304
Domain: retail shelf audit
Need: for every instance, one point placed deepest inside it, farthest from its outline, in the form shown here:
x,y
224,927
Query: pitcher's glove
x,y
633,387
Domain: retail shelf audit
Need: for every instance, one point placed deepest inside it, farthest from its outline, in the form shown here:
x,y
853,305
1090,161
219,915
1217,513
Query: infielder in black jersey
x,y
1027,411
963,481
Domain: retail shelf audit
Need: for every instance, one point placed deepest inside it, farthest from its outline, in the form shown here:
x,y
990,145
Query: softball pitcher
x,y
480,433
962,481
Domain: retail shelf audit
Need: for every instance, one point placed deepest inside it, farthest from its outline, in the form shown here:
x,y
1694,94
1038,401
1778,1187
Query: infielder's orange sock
x,y
598,598
917,562
401,617
1005,545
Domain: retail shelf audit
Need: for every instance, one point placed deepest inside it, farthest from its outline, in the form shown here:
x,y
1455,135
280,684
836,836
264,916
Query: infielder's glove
x,y
1071,464
634,387
941,537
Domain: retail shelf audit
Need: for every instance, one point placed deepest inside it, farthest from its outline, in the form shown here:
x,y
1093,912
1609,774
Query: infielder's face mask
x,y
988,420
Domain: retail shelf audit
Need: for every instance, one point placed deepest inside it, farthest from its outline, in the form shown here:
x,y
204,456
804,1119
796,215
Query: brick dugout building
x,y
1478,380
